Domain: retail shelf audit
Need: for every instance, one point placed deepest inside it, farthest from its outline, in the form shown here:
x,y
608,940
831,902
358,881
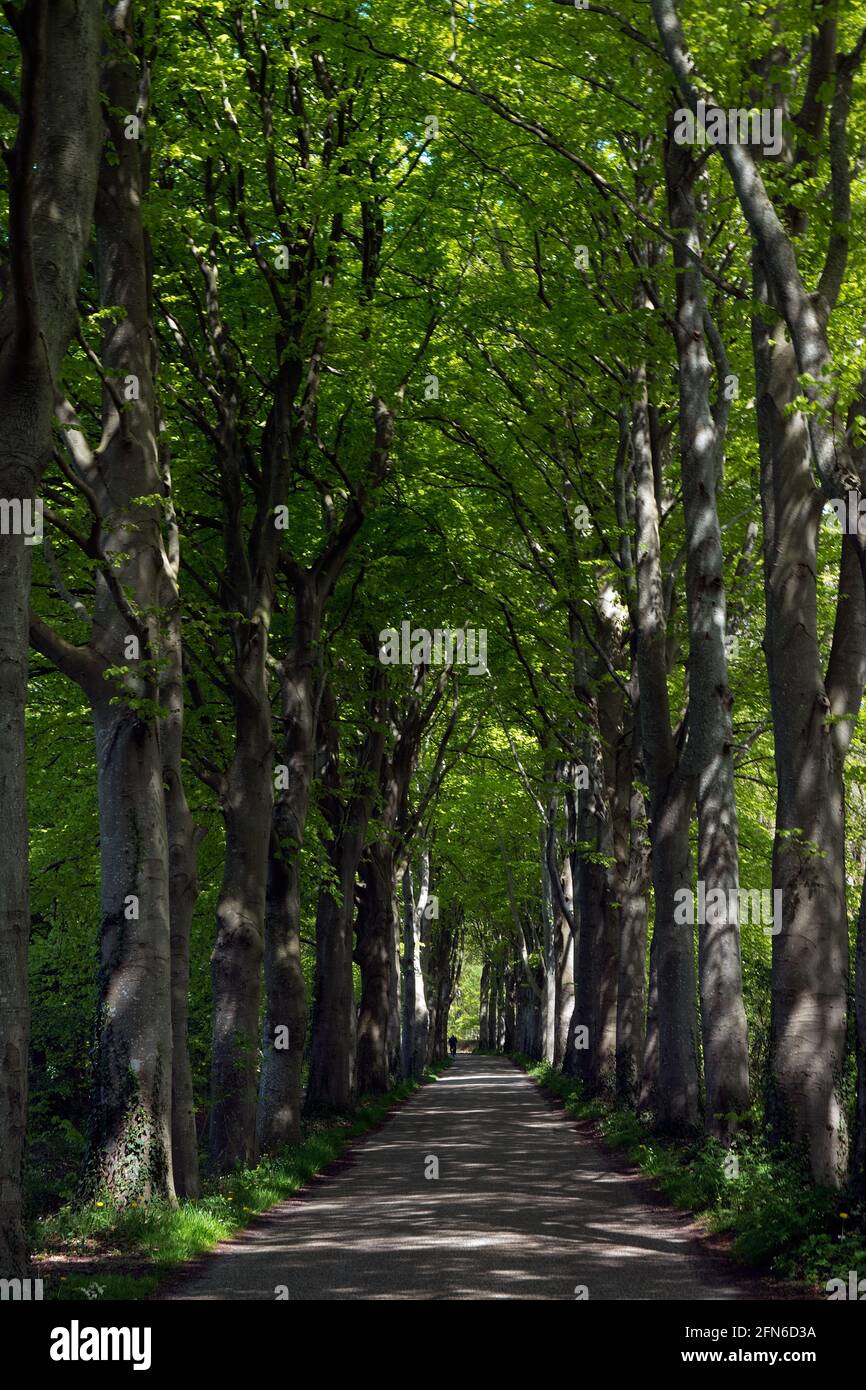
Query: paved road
x,y
524,1207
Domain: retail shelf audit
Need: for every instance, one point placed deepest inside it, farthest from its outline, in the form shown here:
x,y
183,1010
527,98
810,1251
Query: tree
x,y
52,182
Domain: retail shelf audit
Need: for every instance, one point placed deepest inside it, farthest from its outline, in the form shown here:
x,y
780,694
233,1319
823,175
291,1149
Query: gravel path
x,y
525,1206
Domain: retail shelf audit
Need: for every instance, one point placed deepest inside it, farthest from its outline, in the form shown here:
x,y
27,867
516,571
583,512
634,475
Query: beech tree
x,y
809,984
52,169
141,1048
449,607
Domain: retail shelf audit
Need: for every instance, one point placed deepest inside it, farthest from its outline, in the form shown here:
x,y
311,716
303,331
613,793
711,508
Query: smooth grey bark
x,y
590,1047
484,1043
597,937
130,1143
857,413
630,871
278,1119
496,1022
521,991
331,1085
444,960
547,831
184,836
619,726
648,1093
492,1015
810,953
246,803
809,976
129,1151
565,943
501,999
130,1138
709,751
532,1022
632,877
631,984
416,1019
570,1060
332,1058
810,971
394,1036
53,170
677,1088
510,1040
378,917
528,989
859,1167
378,927
596,963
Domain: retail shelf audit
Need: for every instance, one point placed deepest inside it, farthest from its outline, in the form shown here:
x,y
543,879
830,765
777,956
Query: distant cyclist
x,y
452,1043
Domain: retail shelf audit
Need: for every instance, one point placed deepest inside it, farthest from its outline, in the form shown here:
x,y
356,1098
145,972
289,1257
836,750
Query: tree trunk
x,y
51,193
649,1081
378,952
183,840
130,1140
631,890
496,1008
631,990
521,1009
709,752
331,1086
860,1043
130,1150
597,965
483,1024
596,957
670,807
279,1109
416,1019
548,1013
810,953
278,1118
236,962
511,1043
442,940
375,933
564,971
395,990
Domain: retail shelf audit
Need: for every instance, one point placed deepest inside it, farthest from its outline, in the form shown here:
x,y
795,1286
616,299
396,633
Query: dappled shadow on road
x,y
522,1207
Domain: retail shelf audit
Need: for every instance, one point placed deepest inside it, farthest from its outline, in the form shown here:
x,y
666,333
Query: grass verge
x,y
778,1219
104,1252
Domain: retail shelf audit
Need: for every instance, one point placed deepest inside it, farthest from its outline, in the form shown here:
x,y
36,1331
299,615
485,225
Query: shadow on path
x,y
523,1207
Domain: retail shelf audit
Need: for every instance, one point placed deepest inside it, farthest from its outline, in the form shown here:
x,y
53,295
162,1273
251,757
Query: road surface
x,y
524,1206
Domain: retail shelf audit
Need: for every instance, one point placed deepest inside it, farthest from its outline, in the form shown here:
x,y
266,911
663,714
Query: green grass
x,y
123,1253
779,1220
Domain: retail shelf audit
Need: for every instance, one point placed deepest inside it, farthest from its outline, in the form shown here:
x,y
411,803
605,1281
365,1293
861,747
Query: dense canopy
x,y
431,575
